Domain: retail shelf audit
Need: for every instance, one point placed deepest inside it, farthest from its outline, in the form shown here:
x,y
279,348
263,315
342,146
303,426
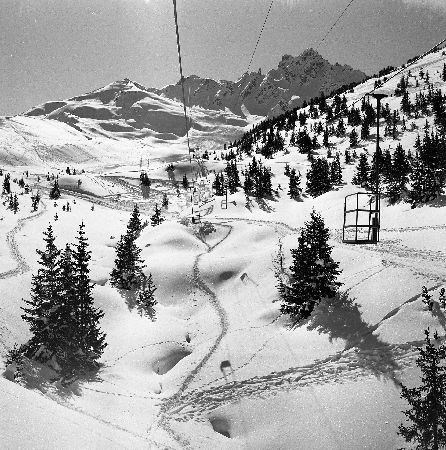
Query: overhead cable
x,y
334,24
260,35
181,72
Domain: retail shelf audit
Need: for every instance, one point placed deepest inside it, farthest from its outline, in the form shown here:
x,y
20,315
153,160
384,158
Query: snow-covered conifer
x,y
426,418
45,296
294,185
135,226
318,177
156,218
89,339
145,300
313,272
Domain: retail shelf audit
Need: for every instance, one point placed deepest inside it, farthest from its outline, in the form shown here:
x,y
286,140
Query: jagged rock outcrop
x,y
296,79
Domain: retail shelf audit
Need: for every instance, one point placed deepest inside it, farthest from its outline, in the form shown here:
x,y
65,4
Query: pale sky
x,y
55,49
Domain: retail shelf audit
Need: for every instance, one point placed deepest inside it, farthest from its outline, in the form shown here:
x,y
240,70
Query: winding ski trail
x,y
171,402
22,265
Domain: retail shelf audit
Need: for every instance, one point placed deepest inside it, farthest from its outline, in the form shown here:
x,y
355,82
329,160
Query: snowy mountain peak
x,y
117,114
296,78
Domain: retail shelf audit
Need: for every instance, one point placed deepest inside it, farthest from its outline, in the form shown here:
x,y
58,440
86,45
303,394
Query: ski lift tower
x,y
365,233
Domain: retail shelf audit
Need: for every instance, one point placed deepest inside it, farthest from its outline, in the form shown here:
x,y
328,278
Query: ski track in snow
x,y
170,403
345,365
22,265
340,367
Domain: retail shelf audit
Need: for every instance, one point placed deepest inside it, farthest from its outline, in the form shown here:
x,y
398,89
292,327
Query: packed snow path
x,y
172,401
22,265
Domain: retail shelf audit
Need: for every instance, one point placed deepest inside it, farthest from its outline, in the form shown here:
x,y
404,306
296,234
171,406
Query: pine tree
x,y
373,167
313,272
89,339
157,218
365,131
67,323
294,185
55,191
165,202
248,184
218,185
318,177
348,157
45,288
417,187
35,200
135,226
369,114
233,176
326,142
263,185
353,138
395,120
145,300
304,141
336,170
340,130
406,106
145,184
362,174
427,415
127,271
439,110
386,163
13,203
398,176
185,182
428,175
7,184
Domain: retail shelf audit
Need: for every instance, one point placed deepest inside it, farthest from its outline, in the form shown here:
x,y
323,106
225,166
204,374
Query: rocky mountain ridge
x,y
294,80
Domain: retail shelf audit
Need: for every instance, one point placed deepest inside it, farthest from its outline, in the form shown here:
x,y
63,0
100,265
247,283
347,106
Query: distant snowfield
x,y
331,383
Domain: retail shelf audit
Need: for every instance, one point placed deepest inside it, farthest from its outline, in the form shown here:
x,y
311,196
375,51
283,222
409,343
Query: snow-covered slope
x,y
330,384
127,109
115,122
296,79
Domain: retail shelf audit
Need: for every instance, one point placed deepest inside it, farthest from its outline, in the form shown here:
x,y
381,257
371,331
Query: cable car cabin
x,y
361,218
